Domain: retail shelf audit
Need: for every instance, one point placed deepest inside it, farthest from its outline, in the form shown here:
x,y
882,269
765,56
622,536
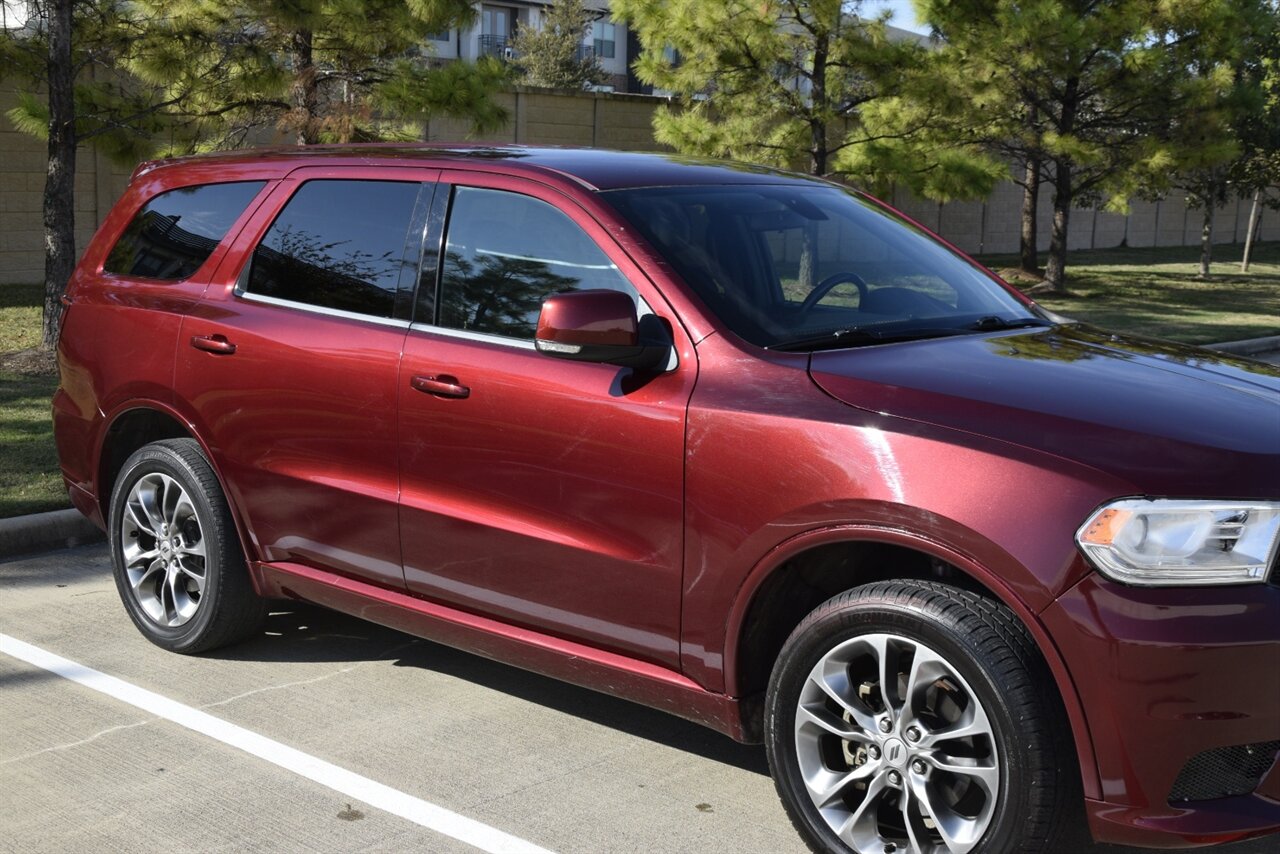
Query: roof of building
x,y
594,168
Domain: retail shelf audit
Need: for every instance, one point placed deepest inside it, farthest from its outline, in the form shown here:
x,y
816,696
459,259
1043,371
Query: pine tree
x,y
780,82
142,77
1094,89
555,55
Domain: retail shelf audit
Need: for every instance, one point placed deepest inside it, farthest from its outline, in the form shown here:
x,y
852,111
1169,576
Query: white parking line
x,y
348,783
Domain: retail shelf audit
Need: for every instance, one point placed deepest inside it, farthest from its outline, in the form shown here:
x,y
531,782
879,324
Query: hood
x,y
1171,419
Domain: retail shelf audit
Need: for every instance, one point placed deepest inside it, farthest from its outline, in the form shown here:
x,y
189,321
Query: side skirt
x,y
607,672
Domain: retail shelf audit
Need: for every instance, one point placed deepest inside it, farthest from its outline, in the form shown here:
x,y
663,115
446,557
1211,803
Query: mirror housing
x,y
596,326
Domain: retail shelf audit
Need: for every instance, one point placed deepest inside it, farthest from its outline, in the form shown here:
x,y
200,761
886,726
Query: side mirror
x,y
596,326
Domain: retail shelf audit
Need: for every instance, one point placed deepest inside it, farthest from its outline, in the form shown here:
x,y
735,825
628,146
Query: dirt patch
x,y
29,363
1019,277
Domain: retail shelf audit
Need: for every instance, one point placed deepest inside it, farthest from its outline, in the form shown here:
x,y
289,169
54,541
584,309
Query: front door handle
x,y
442,386
213,344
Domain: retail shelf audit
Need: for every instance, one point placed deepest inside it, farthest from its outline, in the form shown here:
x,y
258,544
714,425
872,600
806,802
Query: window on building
x,y
496,21
605,39
337,244
505,253
177,231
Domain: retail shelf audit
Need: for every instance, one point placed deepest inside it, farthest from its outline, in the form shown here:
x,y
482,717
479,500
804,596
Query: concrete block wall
x,y
547,117
23,164
609,120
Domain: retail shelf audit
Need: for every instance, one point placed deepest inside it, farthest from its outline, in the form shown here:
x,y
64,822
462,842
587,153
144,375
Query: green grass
x,y
29,477
1156,292
20,308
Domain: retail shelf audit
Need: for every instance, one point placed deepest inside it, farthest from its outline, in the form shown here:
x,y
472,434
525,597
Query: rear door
x,y
290,366
542,492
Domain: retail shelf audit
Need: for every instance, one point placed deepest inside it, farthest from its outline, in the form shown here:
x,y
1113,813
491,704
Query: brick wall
x,y
604,120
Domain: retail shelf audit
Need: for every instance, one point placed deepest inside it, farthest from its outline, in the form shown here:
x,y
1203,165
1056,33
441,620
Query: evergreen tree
x,y
1233,151
327,70
136,77
781,82
555,56
1095,89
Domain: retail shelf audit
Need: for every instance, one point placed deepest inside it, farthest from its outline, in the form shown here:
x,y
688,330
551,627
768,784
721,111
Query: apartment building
x,y
496,24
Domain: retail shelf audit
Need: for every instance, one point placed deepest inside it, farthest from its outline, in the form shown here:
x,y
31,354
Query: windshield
x,y
811,267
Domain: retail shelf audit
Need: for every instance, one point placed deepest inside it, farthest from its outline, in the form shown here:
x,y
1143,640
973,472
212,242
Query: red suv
x,y
741,445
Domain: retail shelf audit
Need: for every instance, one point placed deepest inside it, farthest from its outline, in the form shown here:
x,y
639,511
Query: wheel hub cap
x,y
895,753
895,750
163,550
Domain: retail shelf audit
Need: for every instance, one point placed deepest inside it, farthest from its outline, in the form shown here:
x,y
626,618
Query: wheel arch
x,y
138,422
764,594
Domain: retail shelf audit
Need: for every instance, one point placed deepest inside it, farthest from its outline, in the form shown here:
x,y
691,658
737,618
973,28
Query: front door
x,y
544,493
293,363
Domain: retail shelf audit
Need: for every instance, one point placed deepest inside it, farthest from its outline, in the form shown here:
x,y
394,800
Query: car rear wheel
x,y
917,717
176,556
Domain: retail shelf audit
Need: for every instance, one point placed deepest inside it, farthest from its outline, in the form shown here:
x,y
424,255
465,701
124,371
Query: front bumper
x,y
1164,674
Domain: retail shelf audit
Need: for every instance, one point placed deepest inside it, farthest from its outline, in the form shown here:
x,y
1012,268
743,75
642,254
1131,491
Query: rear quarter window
x,y
177,231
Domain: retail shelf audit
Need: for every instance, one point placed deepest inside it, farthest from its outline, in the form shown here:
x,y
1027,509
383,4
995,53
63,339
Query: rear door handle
x,y
213,344
442,386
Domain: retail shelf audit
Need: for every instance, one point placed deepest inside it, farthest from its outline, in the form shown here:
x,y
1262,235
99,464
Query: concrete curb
x,y
42,532
1248,347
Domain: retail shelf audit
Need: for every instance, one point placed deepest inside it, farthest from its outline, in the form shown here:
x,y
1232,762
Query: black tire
x,y
218,602
1027,737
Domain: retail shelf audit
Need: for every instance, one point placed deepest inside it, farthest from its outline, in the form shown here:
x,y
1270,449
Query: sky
x,y
13,13
903,16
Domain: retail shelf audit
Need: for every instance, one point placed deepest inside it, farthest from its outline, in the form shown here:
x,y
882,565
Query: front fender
x,y
963,559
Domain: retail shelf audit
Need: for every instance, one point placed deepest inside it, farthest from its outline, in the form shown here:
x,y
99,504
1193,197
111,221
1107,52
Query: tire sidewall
x,y
152,459
814,639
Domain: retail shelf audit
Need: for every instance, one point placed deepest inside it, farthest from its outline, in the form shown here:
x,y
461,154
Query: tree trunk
x,y
808,274
1055,273
1029,239
809,258
303,89
1056,270
1030,254
1255,213
59,184
1206,240
818,104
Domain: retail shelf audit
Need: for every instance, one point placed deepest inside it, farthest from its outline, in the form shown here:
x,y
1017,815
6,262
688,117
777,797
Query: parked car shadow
x,y
300,632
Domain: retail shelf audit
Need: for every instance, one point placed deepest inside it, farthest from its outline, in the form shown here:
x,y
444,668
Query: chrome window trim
x,y
673,360
317,309
468,335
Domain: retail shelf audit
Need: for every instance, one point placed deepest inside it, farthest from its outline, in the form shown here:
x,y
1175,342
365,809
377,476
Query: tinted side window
x,y
505,253
177,231
337,244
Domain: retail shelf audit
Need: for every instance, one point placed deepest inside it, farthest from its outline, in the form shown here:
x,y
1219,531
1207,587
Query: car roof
x,y
593,168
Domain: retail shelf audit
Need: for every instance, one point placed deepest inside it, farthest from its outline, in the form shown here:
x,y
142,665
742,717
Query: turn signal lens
x,y
1166,541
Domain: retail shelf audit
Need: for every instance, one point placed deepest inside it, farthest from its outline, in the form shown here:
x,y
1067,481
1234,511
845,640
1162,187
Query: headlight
x,y
1158,542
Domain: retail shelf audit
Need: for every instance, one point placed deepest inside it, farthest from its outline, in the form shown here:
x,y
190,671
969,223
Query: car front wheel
x,y
917,717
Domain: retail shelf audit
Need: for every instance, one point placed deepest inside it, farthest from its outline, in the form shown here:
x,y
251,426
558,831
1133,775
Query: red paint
x,y
613,527
589,317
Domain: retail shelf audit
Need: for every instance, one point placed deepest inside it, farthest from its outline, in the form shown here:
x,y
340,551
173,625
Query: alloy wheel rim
x,y
163,547
895,750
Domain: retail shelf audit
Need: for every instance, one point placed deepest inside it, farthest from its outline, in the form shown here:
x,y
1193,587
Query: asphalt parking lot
x,y
321,706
